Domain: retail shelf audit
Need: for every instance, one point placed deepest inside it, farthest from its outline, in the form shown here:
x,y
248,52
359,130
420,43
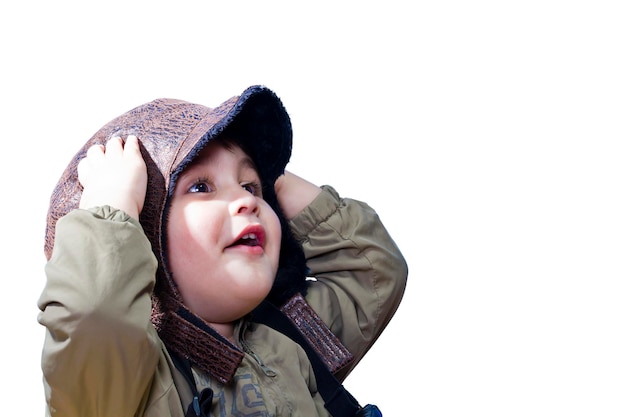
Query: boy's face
x,y
223,239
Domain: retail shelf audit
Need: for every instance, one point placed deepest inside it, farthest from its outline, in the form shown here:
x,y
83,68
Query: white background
x,y
489,135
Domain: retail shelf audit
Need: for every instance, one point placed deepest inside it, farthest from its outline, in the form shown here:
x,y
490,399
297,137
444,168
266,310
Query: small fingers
x,y
132,139
95,151
132,144
115,146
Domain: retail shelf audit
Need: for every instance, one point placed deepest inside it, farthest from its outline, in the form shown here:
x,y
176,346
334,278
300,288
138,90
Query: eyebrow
x,y
247,162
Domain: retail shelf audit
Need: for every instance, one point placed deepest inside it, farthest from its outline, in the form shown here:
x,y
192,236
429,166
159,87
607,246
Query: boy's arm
x,y
360,272
101,350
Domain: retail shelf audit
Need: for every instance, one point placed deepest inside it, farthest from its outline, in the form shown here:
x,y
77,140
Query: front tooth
x,y
249,236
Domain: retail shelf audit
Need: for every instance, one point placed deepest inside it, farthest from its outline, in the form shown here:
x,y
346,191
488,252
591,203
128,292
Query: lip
x,y
255,229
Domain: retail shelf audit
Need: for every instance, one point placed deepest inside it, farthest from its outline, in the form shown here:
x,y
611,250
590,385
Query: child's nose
x,y
244,202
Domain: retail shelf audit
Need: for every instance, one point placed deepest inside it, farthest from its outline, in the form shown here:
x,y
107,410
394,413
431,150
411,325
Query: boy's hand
x,y
114,175
294,193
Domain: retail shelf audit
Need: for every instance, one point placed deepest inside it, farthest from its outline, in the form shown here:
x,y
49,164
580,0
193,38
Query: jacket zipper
x,y
266,369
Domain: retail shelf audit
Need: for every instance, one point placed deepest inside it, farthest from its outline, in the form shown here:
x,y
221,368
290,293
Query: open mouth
x,y
249,239
251,236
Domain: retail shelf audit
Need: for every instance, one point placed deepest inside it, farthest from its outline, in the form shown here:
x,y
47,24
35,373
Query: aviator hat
x,y
171,134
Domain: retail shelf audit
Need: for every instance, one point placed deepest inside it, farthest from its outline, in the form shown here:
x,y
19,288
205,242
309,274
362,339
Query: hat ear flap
x,y
292,270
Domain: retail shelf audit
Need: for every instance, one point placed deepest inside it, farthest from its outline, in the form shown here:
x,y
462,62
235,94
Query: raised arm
x,y
360,274
101,350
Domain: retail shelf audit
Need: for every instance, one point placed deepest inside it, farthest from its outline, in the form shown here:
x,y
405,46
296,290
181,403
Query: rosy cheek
x,y
179,241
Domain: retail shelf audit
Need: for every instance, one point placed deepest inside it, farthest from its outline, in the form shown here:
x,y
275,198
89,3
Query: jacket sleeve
x,y
100,351
359,272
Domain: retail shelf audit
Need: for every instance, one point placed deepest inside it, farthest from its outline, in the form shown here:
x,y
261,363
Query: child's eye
x,y
200,186
253,188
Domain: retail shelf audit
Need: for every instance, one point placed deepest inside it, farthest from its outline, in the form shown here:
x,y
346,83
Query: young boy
x,y
167,231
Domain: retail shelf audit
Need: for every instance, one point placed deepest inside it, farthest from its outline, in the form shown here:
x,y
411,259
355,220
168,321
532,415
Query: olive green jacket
x,y
103,357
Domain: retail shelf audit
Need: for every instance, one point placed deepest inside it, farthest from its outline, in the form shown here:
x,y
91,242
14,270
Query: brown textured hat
x,y
172,133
